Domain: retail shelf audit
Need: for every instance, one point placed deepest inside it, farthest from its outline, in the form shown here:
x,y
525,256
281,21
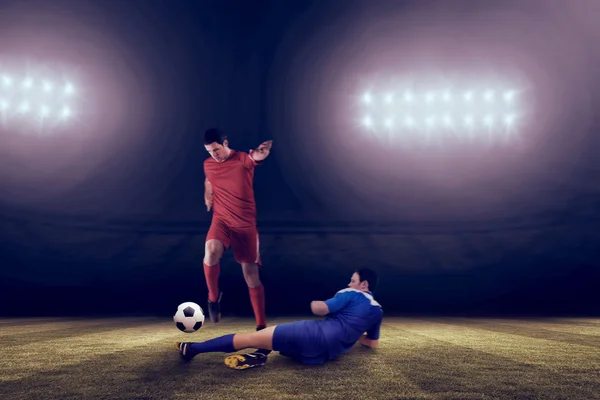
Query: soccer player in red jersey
x,y
229,193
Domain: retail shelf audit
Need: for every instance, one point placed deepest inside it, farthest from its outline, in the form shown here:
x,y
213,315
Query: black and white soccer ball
x,y
189,317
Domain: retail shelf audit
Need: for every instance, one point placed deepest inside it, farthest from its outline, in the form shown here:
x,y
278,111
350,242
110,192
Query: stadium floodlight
x,y
6,81
48,86
44,111
24,107
66,112
69,88
367,121
27,83
493,110
28,99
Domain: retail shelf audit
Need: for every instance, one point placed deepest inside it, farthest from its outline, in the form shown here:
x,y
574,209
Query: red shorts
x,y
244,241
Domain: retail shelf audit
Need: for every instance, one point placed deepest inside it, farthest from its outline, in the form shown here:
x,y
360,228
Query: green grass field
x,y
432,358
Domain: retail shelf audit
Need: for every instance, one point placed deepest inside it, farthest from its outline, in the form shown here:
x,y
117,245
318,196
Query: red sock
x,y
212,280
257,297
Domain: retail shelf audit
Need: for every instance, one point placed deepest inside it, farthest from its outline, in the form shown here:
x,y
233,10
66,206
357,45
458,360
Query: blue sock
x,y
223,344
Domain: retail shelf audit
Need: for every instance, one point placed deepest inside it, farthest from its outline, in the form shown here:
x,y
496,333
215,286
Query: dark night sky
x,y
107,216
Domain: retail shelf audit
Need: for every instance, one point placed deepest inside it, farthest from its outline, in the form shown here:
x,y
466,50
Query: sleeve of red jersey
x,y
204,167
248,161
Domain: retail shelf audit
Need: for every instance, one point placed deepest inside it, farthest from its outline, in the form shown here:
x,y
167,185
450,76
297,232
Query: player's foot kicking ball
x,y
185,350
214,309
246,361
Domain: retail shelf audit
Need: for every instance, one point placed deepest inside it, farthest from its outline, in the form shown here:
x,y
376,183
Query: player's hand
x,y
208,202
262,151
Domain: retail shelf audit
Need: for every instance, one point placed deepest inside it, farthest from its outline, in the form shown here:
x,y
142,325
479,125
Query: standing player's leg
x,y
217,241
246,250
257,293
231,343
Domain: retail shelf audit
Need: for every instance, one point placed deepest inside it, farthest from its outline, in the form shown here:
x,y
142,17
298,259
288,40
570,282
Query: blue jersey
x,y
351,313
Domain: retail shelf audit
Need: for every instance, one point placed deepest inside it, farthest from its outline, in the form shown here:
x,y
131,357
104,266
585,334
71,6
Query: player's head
x,y
364,279
215,142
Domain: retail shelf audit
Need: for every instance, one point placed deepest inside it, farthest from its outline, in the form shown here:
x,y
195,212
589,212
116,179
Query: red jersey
x,y
232,190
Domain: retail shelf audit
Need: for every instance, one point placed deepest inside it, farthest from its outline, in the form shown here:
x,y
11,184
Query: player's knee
x,y
213,251
251,275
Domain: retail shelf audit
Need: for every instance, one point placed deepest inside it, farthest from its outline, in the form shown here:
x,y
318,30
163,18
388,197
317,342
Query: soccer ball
x,y
189,317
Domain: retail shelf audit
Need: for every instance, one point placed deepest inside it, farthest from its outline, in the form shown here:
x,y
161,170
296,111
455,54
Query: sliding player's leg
x,y
231,343
303,341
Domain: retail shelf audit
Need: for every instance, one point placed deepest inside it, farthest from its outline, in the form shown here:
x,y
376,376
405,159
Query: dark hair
x,y
367,274
213,135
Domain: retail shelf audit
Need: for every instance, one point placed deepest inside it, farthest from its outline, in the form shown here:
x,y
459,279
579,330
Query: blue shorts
x,y
302,341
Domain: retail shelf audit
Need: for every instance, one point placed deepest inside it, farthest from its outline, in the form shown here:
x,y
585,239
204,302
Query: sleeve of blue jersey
x,y
373,333
337,302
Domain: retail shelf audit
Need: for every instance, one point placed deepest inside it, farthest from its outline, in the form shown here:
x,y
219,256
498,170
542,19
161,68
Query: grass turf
x,y
433,358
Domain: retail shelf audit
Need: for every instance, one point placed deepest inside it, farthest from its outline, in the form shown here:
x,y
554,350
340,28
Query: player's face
x,y
218,151
355,282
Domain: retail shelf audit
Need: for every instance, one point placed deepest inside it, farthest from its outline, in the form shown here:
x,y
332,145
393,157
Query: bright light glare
x,y
30,99
476,109
28,83
69,89
509,96
66,112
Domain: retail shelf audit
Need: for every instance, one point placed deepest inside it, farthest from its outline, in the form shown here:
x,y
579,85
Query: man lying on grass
x,y
350,313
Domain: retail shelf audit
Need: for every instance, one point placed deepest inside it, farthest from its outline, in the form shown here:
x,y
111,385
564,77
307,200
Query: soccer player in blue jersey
x,y
351,315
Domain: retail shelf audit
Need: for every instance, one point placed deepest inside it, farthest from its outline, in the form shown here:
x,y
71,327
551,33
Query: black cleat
x,y
246,361
264,352
185,350
214,309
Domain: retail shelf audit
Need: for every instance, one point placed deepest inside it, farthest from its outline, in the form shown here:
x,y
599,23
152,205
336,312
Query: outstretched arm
x,y
261,151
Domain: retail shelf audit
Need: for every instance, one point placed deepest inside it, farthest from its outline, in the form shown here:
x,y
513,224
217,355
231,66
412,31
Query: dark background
x,y
107,216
